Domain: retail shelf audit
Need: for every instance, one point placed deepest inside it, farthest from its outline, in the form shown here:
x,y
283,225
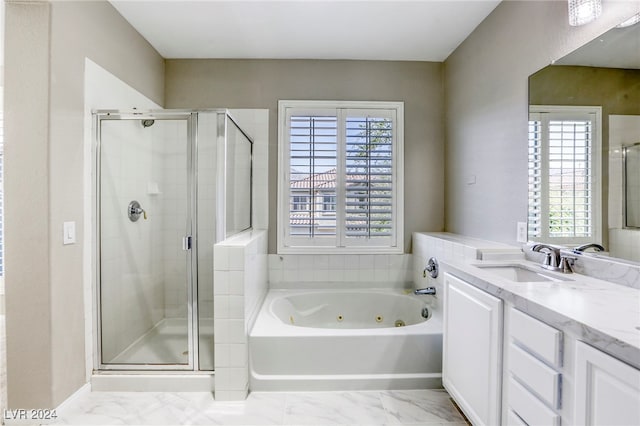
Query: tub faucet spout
x,y
426,290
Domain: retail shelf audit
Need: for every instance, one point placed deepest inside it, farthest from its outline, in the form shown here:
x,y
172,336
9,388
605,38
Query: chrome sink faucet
x,y
584,247
554,260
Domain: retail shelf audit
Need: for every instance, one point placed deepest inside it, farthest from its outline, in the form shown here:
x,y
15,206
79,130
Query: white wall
x,y
246,83
45,49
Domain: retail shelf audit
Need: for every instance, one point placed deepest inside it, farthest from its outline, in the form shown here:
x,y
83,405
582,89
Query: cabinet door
x,y
472,353
607,390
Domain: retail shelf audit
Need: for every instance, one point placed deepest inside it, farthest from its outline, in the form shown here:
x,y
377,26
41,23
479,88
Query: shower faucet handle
x,y
134,211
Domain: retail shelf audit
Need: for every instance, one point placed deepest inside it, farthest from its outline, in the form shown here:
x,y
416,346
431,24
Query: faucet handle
x,y
431,268
566,264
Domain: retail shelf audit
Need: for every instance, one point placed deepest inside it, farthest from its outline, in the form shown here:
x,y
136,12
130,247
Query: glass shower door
x,y
144,207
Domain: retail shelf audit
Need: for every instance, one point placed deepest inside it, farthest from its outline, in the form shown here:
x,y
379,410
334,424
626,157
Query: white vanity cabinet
x,y
607,390
472,352
532,378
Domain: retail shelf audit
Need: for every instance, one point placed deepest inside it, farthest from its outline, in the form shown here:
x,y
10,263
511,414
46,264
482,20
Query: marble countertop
x,y
603,314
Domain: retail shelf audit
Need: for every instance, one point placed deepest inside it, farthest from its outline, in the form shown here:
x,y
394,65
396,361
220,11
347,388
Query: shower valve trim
x,y
134,210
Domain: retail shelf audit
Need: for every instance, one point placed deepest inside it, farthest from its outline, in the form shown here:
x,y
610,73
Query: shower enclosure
x,y
169,185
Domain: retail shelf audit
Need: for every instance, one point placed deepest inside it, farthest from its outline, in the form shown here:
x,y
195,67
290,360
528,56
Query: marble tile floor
x,y
393,407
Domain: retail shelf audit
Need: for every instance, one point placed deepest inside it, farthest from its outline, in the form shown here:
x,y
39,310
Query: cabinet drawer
x,y
538,337
529,408
539,377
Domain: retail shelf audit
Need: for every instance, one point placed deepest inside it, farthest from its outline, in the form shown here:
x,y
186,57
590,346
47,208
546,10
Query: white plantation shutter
x,y
312,174
368,175
340,183
564,175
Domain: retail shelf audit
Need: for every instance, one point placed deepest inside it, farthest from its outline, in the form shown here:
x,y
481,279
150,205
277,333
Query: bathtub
x,y
345,340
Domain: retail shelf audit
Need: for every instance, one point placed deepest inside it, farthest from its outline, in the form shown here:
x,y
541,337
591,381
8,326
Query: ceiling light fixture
x,y
584,11
629,22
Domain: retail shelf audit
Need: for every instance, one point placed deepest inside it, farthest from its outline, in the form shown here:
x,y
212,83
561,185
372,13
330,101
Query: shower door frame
x,y
190,238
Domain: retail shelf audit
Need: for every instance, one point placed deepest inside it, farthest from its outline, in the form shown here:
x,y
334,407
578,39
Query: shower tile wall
x,y
207,155
170,177
133,300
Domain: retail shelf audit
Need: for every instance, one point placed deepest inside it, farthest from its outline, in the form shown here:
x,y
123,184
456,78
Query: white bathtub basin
x,y
306,340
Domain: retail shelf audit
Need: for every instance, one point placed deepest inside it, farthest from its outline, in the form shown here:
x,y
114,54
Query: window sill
x,y
340,250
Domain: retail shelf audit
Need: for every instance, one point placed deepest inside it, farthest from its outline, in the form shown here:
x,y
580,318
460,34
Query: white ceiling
x,y
420,30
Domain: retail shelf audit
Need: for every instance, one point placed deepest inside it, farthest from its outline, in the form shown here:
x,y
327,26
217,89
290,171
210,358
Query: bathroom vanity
x,y
524,346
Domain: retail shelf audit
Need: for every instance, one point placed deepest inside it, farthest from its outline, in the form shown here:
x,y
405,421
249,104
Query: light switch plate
x,y
521,235
68,233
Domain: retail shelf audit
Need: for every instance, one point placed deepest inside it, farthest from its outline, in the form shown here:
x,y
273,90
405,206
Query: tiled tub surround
x,y
602,314
345,339
314,271
240,284
444,246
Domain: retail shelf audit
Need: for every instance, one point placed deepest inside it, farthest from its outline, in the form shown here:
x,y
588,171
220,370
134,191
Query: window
x,y
564,174
342,161
299,203
329,204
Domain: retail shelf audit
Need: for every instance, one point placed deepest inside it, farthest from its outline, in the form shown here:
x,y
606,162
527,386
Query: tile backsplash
x,y
375,270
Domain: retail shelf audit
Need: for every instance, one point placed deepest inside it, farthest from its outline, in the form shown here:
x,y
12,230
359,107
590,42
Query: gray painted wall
x,y
486,109
46,46
261,83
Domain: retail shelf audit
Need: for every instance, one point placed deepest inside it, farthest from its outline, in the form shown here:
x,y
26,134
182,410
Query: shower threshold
x,y
165,343
136,381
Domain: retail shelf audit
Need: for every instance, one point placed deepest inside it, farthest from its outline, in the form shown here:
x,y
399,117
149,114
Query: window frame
x,y
288,244
548,113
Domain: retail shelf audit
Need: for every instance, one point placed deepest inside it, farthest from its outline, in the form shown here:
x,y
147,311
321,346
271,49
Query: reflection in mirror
x,y
238,179
631,156
584,114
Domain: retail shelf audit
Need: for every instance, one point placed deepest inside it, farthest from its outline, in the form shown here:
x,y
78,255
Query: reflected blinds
x,y
561,176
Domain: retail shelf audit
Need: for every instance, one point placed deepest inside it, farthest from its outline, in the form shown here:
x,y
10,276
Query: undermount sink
x,y
520,273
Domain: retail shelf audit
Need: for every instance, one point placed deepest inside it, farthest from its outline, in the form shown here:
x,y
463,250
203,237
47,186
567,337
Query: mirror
x,y
584,171
631,160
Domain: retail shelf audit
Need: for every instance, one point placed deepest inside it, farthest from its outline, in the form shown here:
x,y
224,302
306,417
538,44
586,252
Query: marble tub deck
x,y
401,407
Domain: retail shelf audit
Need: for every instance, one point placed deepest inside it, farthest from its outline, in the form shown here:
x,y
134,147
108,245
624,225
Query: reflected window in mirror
x,y
564,174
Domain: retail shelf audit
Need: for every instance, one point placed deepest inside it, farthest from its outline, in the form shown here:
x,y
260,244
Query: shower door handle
x,y
186,243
